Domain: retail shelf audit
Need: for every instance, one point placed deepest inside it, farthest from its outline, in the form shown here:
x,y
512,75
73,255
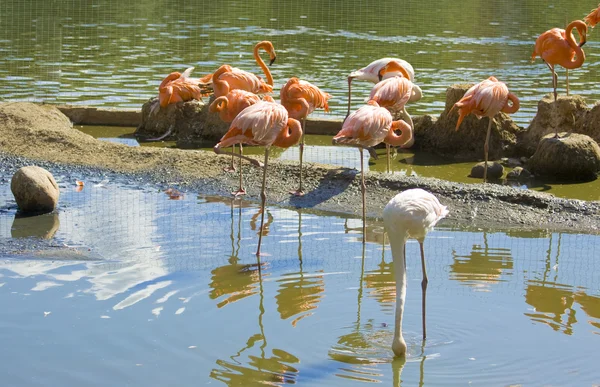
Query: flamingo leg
x,y
241,190
387,152
424,283
349,96
218,150
486,148
567,79
263,198
299,191
363,189
231,167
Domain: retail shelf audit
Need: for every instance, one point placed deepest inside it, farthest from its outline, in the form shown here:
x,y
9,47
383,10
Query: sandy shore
x,y
70,153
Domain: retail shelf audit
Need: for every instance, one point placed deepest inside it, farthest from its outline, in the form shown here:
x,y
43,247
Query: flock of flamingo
x,y
264,122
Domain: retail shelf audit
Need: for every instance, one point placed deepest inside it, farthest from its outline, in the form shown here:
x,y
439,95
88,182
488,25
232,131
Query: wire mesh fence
x,y
110,53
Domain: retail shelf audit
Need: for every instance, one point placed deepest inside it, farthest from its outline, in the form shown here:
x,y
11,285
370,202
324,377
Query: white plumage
x,y
410,214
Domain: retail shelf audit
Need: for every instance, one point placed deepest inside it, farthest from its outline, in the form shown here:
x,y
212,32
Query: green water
x,y
115,53
405,162
129,287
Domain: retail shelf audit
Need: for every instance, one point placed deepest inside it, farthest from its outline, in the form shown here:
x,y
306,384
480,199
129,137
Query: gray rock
x,y
574,157
518,173
35,190
495,170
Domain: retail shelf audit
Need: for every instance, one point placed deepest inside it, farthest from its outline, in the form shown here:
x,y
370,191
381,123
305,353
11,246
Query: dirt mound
x,y
561,115
189,122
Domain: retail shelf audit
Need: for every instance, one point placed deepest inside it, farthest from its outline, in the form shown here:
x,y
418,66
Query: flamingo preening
x,y
378,70
410,214
367,127
558,47
301,98
487,98
265,123
181,87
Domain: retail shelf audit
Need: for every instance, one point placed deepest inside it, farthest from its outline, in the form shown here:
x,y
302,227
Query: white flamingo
x,y
410,214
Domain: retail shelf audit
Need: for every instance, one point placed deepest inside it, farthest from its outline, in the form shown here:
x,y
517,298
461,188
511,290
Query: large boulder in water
x,y
589,123
563,115
35,190
466,143
189,122
574,157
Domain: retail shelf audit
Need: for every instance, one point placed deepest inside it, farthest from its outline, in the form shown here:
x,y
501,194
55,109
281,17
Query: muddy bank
x,y
33,134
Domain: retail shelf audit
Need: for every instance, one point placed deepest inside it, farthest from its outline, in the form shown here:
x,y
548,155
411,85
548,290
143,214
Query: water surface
x,y
130,287
108,53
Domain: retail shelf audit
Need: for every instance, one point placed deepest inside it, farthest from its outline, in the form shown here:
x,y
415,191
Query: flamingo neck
x,y
290,135
515,104
221,87
398,244
169,78
580,55
268,47
219,104
399,140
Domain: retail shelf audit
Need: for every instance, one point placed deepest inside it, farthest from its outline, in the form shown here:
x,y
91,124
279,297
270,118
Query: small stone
x,y
495,170
518,173
35,190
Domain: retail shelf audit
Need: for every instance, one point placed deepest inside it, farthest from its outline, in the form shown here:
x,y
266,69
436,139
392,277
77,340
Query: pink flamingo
x,y
558,47
593,17
264,123
178,87
227,78
228,107
393,94
410,214
367,127
380,69
487,98
301,98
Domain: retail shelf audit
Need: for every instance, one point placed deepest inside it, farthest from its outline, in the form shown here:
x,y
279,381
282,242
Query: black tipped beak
x,y
582,43
380,77
272,60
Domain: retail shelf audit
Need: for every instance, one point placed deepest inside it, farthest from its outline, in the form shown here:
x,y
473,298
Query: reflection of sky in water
x,y
161,289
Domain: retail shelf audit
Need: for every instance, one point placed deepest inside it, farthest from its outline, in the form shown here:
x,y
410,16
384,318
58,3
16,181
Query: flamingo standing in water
x,y
593,17
367,127
228,107
378,70
410,214
265,123
301,98
487,98
393,94
558,47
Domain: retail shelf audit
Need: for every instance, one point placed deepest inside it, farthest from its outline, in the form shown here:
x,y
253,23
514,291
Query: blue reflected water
x,y
133,288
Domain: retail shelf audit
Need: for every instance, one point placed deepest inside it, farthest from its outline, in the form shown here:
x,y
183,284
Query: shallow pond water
x,y
115,53
405,162
130,287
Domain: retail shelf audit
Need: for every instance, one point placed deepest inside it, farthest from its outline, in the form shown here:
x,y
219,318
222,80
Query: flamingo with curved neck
x,y
301,98
410,214
227,78
558,47
365,128
378,70
264,123
487,98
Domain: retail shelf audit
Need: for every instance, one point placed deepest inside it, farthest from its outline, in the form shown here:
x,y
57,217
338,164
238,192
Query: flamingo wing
x,y
367,126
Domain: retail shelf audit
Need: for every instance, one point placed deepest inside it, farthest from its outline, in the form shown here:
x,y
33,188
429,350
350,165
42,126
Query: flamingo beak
x,y
582,43
272,60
